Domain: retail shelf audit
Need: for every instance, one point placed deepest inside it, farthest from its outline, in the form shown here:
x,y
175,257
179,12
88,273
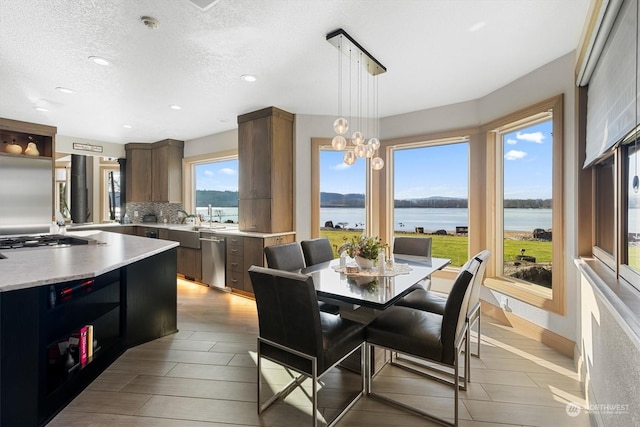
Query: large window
x,y
342,194
430,193
525,208
216,186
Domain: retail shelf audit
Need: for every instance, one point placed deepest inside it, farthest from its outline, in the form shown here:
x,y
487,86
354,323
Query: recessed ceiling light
x,y
127,126
248,77
175,107
44,110
65,90
99,60
477,26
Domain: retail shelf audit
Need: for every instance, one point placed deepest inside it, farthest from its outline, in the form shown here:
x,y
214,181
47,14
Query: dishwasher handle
x,y
214,240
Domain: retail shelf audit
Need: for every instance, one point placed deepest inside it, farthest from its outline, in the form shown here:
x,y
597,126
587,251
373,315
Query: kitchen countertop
x,y
26,268
217,228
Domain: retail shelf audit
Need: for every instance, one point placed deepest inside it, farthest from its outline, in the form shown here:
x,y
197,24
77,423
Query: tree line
x,y
354,200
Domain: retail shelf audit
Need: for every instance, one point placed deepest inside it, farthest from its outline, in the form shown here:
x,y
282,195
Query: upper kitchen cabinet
x,y
28,139
265,157
154,171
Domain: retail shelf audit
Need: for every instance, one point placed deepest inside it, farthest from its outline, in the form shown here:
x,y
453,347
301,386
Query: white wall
x,y
64,144
219,142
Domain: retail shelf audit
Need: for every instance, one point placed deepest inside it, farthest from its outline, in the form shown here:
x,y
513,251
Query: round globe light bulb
x,y
368,151
341,126
377,163
375,143
357,138
338,142
349,157
360,150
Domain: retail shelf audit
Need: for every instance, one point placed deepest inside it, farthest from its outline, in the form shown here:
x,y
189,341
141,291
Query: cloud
x,y
208,173
340,167
228,171
515,155
536,137
511,141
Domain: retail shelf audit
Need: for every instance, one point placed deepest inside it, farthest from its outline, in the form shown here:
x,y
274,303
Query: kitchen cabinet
x,y
154,171
265,183
20,136
190,263
40,372
245,251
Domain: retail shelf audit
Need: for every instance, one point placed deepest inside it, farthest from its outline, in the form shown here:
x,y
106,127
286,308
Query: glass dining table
x,y
369,288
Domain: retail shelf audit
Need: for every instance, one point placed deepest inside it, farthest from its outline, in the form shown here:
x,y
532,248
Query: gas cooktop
x,y
45,240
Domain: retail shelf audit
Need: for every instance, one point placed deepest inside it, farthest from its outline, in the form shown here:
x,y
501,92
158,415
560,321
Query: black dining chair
x,y
289,257
316,251
415,246
413,249
435,302
426,336
296,335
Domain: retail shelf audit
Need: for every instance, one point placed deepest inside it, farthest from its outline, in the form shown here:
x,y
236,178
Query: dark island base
x,y
38,374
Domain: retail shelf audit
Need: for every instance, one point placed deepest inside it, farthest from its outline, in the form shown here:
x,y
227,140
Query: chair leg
x,y
314,398
467,356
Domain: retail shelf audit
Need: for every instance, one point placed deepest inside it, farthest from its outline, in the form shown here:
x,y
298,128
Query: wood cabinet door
x,y
138,175
254,157
255,215
166,167
253,255
160,180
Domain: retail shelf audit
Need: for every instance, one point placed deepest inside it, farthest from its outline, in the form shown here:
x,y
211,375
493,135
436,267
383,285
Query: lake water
x,y
430,219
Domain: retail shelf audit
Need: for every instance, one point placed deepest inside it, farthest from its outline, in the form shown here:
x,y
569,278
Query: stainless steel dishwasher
x,y
213,251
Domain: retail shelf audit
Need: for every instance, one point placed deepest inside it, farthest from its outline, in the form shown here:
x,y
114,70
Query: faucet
x,y
210,213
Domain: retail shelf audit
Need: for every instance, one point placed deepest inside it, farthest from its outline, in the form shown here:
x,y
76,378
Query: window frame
x,y
424,143
324,144
104,192
548,299
189,175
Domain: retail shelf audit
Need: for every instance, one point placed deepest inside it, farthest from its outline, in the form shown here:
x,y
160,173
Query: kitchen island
x,y
67,312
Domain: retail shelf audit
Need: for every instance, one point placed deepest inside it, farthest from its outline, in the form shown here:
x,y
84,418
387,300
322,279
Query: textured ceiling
x,y
196,57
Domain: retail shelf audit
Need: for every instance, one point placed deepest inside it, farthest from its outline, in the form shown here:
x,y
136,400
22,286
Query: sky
x,y
425,172
442,171
221,176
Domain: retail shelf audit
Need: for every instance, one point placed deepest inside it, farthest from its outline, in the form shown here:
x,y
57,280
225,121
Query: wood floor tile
x,y
181,356
107,402
111,381
529,415
192,387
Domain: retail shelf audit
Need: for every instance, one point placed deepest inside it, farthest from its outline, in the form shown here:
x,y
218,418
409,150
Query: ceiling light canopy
x,y
175,107
366,64
248,77
41,109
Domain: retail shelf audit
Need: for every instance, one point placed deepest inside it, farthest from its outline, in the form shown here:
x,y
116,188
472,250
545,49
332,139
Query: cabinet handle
x,y
234,250
234,264
254,227
234,281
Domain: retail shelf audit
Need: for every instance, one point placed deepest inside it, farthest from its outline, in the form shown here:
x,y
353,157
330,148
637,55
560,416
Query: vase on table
x,y
364,263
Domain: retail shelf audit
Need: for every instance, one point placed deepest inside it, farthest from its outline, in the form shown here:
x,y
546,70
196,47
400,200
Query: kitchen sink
x,y
206,227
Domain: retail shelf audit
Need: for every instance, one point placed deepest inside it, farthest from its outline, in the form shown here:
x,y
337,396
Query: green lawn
x,y
456,247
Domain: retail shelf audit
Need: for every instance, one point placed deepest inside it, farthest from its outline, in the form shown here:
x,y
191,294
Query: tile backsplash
x,y
162,211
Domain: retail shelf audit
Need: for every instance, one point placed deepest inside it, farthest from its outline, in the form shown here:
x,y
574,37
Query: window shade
x,y
611,98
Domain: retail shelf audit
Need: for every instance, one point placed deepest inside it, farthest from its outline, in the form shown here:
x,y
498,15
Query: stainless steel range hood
x,y
26,194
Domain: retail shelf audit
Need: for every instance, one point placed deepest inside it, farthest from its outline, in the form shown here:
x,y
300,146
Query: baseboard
x,y
529,329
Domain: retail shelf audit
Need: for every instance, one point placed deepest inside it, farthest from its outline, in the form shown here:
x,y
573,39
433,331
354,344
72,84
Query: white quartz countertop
x,y
26,268
217,228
